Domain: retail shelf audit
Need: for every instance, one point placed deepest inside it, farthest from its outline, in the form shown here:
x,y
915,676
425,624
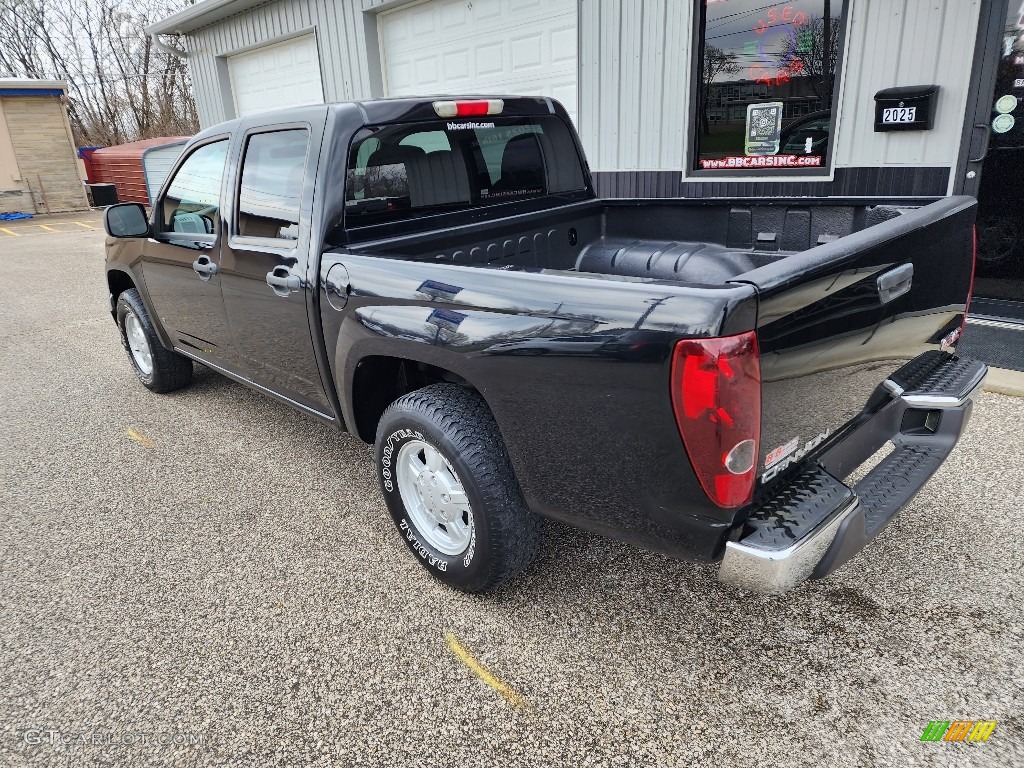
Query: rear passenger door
x,y
265,259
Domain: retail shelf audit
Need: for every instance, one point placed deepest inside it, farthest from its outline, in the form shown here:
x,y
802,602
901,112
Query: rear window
x,y
399,172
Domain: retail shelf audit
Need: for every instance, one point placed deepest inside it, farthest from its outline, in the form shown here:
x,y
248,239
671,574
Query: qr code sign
x,y
764,119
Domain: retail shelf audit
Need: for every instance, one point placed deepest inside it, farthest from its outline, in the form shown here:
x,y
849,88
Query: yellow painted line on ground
x,y
141,439
467,658
45,229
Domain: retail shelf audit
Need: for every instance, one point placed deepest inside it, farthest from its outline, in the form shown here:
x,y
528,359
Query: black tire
x,y
171,371
457,422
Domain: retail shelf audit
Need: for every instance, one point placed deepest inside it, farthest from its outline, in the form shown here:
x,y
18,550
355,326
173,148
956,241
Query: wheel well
x,y
379,381
119,282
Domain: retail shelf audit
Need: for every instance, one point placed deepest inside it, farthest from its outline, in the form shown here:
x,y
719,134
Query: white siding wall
x,y
634,82
156,164
635,59
347,63
907,42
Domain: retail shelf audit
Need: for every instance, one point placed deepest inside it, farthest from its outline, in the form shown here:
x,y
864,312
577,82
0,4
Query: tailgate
x,y
835,321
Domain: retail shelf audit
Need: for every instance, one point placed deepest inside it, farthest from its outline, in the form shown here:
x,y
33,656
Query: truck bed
x,y
695,242
846,292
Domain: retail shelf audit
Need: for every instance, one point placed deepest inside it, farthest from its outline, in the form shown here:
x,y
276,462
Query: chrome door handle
x,y
895,283
204,267
283,281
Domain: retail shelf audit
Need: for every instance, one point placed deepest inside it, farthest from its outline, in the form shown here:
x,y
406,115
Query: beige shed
x,y
39,169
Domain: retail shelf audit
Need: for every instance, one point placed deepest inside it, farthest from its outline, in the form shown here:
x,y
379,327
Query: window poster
x,y
764,126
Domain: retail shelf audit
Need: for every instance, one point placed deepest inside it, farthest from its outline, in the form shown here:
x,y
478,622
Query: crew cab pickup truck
x,y
439,278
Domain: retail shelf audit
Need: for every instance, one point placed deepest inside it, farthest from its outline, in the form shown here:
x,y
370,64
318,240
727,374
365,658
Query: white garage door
x,y
517,47
277,76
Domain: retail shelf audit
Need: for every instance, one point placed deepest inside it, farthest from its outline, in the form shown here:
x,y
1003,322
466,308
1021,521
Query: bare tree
x,y
815,55
121,87
716,62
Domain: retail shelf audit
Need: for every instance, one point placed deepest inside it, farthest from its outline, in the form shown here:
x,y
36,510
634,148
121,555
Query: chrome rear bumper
x,y
775,571
815,523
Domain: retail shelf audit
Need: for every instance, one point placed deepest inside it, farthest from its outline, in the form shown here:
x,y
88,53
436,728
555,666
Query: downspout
x,y
155,37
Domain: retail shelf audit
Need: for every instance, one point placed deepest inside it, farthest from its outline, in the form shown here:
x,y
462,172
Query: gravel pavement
x,y
234,594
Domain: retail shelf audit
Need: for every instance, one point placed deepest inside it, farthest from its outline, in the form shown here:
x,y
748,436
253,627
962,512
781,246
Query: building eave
x,y
26,84
201,14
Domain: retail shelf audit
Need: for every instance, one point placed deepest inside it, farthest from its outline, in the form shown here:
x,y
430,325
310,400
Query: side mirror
x,y
126,220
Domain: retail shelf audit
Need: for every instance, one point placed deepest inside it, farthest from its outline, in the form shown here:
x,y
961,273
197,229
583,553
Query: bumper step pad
x,y
919,369
937,374
788,534
884,492
796,510
893,483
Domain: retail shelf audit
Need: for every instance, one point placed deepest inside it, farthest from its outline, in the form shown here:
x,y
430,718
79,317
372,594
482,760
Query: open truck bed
x,y
844,289
697,242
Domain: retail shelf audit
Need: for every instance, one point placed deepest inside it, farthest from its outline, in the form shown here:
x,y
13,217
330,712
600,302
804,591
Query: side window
x,y
192,201
273,168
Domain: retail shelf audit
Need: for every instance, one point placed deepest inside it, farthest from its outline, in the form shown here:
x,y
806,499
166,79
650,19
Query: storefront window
x,y
768,78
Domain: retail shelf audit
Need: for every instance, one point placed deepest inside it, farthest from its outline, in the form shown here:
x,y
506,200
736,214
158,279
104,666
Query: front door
x,y
264,264
999,282
181,262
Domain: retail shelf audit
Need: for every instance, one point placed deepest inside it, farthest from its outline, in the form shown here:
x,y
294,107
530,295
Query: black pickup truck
x,y
438,277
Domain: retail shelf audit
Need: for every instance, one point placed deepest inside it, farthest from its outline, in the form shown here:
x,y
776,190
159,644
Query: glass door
x,y
999,283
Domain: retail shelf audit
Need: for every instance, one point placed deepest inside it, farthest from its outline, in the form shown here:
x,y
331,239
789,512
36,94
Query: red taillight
x,y
474,108
716,396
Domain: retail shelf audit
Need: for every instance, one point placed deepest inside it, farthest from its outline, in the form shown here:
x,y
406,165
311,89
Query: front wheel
x,y
450,488
159,369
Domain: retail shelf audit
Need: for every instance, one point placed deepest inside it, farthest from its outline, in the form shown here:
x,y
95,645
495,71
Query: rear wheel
x,y
159,369
450,489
